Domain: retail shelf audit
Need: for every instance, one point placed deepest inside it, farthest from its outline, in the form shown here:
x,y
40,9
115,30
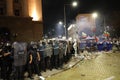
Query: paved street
x,y
103,67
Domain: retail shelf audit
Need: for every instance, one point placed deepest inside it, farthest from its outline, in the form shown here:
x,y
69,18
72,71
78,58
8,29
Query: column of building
x,y
9,8
25,8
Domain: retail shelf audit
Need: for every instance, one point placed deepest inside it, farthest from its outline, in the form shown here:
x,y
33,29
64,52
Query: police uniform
x,y
61,52
65,54
55,53
1,59
20,59
48,52
29,67
35,61
6,68
68,50
41,49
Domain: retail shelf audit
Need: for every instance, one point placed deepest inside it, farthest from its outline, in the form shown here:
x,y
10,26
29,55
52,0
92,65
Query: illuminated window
x,y
17,12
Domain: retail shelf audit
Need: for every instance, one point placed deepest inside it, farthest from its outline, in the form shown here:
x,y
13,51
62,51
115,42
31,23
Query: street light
x,y
60,22
74,4
60,28
94,15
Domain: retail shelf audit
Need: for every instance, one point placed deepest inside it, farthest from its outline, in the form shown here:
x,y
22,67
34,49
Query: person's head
x,y
1,44
7,44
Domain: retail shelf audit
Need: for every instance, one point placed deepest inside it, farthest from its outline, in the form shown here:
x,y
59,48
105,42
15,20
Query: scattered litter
x,y
82,74
41,78
49,76
80,57
110,78
70,66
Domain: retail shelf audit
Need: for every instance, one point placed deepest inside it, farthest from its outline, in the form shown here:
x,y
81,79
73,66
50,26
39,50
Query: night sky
x,y
53,10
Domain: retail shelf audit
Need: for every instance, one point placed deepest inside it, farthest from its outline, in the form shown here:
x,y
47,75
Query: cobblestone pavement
x,y
66,66
103,67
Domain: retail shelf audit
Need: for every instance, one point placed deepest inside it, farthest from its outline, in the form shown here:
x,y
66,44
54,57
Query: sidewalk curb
x,y
64,69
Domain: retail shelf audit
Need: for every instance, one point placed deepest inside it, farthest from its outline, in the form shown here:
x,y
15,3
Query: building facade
x,y
21,20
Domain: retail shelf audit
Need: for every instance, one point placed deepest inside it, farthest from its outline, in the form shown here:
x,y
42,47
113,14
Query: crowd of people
x,y
93,47
19,57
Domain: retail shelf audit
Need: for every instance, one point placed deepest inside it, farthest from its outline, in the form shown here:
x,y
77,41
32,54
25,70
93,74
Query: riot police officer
x,y
29,61
6,67
20,59
41,50
35,58
61,53
55,53
1,58
48,51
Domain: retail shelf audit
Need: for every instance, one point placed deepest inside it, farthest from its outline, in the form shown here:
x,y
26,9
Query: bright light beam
x,y
94,15
74,4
